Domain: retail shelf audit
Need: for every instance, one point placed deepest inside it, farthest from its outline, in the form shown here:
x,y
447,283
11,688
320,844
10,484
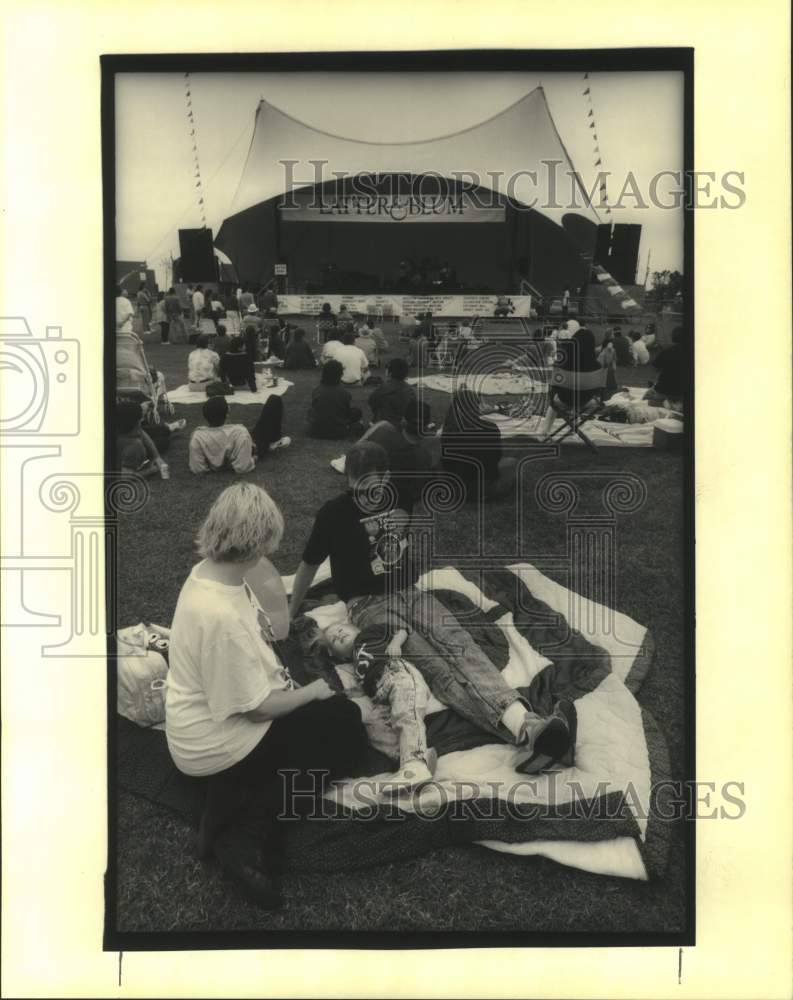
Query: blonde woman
x,y
234,714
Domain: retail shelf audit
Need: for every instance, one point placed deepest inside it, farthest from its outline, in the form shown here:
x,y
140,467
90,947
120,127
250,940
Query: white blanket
x,y
611,746
241,396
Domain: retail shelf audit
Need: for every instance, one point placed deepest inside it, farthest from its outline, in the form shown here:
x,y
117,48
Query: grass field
x,y
161,886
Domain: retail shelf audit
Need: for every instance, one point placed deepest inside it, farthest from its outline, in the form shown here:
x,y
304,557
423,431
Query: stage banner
x,y
308,205
402,306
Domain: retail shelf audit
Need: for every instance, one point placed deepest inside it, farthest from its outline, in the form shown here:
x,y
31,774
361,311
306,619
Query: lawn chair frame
x,y
576,416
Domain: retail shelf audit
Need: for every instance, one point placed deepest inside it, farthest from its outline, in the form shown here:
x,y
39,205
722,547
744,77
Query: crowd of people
x,y
234,714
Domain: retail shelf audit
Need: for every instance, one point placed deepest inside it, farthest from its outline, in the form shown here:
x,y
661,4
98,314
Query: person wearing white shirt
x,y
331,348
202,363
641,356
233,713
124,311
353,360
198,302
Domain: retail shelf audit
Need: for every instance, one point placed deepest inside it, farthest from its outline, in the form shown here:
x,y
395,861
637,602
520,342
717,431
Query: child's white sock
x,y
514,719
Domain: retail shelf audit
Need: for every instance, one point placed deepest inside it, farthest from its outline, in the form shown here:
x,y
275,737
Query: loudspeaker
x,y
625,253
197,256
603,245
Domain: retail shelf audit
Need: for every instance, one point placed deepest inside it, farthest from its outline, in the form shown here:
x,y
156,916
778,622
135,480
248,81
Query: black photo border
x,y
442,61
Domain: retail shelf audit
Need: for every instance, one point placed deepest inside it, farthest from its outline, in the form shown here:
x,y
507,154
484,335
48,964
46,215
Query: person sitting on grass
x,y
366,343
231,446
234,714
671,382
299,354
622,348
275,342
237,366
353,360
471,448
202,363
379,338
410,461
222,341
332,415
136,451
390,400
366,537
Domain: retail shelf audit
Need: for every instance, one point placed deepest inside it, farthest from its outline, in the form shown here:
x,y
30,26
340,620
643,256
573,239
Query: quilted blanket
x,y
549,643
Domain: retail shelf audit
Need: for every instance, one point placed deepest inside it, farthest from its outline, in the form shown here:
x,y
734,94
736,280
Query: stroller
x,y
136,381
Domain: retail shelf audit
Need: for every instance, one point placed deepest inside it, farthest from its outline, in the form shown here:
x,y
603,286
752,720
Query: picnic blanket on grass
x,y
549,642
242,396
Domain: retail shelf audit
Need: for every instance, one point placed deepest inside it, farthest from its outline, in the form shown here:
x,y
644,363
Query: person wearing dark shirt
x,y
365,536
275,342
298,354
269,302
622,348
332,415
471,449
222,342
671,382
390,400
236,365
326,322
409,462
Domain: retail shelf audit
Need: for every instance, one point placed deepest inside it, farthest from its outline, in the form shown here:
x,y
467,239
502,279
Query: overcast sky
x,y
639,120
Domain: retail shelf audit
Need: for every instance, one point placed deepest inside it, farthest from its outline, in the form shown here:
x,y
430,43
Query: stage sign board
x,y
279,269
407,305
310,206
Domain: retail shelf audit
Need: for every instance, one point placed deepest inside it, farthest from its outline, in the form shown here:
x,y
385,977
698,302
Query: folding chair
x,y
577,414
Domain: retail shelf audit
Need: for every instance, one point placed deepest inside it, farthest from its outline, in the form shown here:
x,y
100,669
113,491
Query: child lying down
x,y
388,679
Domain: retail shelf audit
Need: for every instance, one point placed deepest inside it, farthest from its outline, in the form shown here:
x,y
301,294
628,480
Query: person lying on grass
x,y
232,446
366,537
234,714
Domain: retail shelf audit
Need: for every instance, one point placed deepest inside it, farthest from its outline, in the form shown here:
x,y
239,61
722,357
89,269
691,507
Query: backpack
x,y
142,671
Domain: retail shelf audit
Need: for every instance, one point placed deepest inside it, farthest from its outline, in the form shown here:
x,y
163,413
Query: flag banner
x,y
403,305
308,206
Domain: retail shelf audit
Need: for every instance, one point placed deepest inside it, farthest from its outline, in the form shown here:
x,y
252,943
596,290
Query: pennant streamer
x,y
593,126
191,127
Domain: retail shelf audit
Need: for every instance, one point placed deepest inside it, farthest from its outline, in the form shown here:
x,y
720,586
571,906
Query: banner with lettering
x,y
310,205
408,305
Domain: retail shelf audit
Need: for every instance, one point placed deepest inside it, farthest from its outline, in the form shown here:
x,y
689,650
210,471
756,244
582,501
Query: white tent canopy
x,y
509,153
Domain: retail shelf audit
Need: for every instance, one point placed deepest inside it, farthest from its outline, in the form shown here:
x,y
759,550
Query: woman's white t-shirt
x,y
221,665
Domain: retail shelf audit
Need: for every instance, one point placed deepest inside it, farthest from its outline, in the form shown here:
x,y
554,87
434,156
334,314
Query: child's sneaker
x,y
283,442
408,779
